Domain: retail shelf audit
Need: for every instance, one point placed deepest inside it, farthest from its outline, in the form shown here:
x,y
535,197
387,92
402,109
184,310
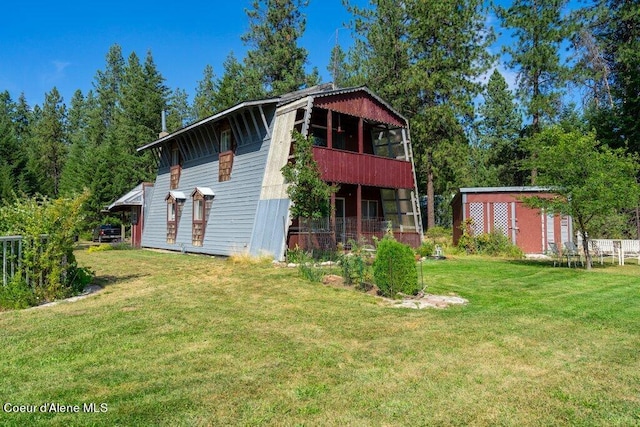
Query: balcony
x,y
365,169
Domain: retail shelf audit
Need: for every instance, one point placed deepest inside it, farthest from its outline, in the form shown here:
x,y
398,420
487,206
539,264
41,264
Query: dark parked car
x,y
107,233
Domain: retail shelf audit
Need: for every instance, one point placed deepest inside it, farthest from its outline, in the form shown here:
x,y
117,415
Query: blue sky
x,y
63,44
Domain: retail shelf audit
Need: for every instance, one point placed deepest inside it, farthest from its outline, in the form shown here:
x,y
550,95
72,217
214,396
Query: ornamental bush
x,y
394,269
47,268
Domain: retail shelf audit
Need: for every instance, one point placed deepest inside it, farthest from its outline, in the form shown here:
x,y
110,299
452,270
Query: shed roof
x,y
523,189
132,198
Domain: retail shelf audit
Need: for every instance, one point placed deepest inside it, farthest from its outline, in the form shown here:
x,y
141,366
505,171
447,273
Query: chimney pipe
x,y
164,125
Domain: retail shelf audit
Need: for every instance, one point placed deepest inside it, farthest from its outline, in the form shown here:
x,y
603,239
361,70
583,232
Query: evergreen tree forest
x,y
435,61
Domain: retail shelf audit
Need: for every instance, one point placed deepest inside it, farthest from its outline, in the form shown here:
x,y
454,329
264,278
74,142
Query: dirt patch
x,y
333,280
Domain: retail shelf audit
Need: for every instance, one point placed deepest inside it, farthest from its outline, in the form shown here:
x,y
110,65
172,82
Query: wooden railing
x,y
365,169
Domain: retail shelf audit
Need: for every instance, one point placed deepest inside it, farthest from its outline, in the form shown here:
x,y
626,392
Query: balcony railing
x,y
326,235
365,169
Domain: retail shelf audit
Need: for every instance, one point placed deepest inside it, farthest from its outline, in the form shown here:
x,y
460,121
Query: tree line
x,y
431,60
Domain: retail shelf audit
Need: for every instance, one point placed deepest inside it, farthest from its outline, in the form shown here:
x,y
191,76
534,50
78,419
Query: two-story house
x,y
220,188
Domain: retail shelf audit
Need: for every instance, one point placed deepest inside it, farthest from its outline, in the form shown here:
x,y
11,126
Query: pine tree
x,y
499,131
338,66
450,44
619,34
179,113
275,26
381,53
203,102
49,147
79,167
425,57
25,181
108,87
539,29
238,83
137,121
8,147
342,69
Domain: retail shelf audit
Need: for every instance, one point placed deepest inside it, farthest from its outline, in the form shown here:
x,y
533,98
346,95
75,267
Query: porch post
x,y
361,135
358,212
330,133
333,218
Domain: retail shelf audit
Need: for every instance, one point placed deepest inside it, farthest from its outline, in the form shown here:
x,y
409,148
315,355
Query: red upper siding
x,y
365,169
359,105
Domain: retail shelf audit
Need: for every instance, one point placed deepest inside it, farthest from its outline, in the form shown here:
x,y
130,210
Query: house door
x,y
340,221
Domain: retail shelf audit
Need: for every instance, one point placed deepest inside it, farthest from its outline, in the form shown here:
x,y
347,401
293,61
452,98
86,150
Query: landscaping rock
x,y
428,301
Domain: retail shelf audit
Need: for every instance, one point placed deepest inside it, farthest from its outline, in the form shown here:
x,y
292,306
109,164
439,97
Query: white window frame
x,y
171,211
198,209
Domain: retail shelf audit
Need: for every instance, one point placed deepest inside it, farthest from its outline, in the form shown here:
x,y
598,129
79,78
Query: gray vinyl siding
x,y
233,211
272,221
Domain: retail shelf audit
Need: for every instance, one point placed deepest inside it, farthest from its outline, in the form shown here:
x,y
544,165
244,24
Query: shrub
x,y
17,294
295,255
438,233
427,248
48,228
394,268
356,265
308,270
494,243
100,248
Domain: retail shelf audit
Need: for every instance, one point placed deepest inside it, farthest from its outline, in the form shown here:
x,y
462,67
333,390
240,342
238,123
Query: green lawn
x,y
190,340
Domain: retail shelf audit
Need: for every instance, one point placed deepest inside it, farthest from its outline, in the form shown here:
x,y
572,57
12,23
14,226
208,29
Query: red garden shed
x,y
501,208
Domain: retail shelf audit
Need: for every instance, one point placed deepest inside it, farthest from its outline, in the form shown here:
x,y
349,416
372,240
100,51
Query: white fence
x,y
617,249
13,252
11,257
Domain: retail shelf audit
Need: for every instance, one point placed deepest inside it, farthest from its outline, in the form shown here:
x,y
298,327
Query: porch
x,y
326,234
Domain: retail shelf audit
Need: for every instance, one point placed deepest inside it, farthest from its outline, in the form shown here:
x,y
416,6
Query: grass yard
x,y
188,340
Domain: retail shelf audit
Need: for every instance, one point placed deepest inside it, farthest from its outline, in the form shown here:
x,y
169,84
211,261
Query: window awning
x,y
176,195
204,191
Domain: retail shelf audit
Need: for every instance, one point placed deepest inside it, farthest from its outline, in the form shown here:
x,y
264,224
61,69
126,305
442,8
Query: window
x,y
198,209
171,211
176,167
175,202
225,140
225,158
202,201
369,209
